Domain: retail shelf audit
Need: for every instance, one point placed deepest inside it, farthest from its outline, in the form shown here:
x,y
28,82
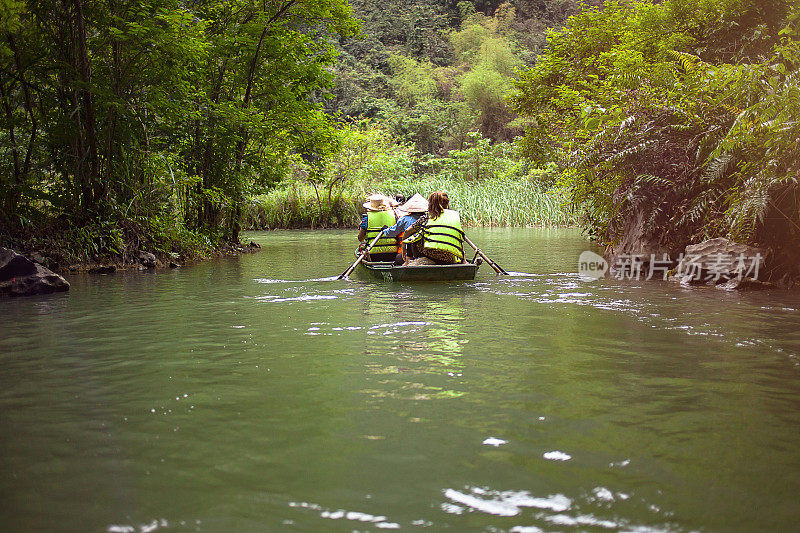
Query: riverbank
x,y
62,254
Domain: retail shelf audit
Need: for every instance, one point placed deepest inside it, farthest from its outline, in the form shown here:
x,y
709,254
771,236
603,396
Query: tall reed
x,y
512,202
495,202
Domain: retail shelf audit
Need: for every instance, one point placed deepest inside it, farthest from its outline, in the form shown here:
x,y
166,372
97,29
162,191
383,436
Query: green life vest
x,y
445,233
375,221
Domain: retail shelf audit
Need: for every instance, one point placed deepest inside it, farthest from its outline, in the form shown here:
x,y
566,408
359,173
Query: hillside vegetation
x,y
674,122
421,97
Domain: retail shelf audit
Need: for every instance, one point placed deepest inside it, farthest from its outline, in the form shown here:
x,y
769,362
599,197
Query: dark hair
x,y
437,203
400,198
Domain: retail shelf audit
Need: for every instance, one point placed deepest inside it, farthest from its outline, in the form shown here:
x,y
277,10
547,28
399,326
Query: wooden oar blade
x,y
497,268
360,257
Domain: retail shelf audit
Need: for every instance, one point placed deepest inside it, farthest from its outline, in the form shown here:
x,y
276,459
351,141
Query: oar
x,y
497,268
360,257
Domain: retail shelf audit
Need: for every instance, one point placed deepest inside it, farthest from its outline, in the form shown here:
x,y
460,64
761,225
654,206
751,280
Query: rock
x,y
37,258
102,269
20,276
637,241
744,284
173,264
14,265
720,259
147,259
688,281
254,244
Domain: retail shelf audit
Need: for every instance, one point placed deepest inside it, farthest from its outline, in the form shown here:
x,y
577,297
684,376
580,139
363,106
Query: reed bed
x,y
514,203
297,206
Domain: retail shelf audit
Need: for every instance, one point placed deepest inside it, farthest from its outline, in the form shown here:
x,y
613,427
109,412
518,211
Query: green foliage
x,y
158,118
489,183
10,11
491,66
437,70
478,160
677,114
364,153
508,202
413,80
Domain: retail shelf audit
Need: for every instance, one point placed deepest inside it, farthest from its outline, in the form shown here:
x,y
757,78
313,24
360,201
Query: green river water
x,y
248,394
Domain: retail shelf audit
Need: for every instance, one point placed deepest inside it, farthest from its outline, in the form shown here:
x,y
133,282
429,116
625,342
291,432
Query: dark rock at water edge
x,y
36,257
19,276
688,281
637,241
721,256
147,259
102,269
786,282
722,263
744,284
238,248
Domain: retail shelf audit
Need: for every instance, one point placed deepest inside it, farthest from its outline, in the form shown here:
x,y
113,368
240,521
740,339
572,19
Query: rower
x,y
379,215
409,213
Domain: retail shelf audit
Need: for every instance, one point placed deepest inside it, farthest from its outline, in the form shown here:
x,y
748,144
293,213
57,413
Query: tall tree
x,y
130,116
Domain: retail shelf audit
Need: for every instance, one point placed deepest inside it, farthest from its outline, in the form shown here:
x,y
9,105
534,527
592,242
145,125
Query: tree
x,y
133,118
665,118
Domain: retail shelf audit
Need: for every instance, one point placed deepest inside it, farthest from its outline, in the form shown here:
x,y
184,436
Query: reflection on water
x,y
261,393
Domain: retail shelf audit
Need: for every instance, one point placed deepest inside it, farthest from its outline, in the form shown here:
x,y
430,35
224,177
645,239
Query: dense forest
x,y
145,125
674,122
169,126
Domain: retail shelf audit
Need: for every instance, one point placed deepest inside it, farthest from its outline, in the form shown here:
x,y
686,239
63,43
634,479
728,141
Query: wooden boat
x,y
392,272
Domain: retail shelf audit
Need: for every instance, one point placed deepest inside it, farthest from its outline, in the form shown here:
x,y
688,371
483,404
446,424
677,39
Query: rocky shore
x,y
30,274
719,263
19,276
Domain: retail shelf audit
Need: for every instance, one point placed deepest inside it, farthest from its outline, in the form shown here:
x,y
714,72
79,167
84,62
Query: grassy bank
x,y
494,202
61,245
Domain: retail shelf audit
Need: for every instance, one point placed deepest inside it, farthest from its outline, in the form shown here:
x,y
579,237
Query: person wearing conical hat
x,y
378,216
409,212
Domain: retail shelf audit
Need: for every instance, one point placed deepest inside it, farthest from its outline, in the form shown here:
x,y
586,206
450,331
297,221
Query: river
x,y
252,394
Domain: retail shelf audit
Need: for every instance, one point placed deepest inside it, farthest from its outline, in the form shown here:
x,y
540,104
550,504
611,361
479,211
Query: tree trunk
x,y
112,143
9,205
92,187
241,144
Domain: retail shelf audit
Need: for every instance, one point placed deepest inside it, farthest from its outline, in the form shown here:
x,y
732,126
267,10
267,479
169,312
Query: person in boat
x,y
379,215
408,214
437,234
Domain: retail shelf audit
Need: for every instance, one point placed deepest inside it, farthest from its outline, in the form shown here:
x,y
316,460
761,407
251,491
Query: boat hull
x,y
391,272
